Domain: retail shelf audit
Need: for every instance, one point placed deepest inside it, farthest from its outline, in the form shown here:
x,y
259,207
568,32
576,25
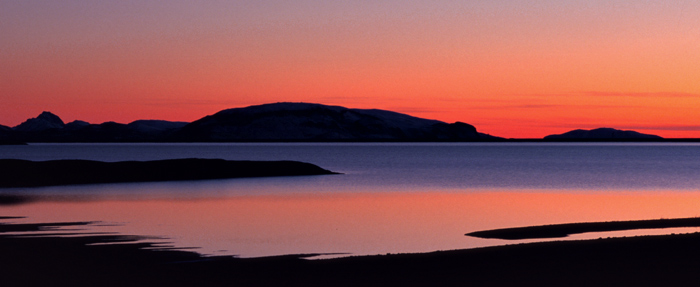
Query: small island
x,y
25,173
603,134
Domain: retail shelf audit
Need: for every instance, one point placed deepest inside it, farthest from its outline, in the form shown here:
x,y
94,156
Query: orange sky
x,y
511,68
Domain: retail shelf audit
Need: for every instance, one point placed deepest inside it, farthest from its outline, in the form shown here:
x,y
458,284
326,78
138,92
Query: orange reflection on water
x,y
358,223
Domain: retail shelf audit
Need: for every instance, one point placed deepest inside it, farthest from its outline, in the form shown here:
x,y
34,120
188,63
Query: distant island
x,y
287,122
25,173
602,134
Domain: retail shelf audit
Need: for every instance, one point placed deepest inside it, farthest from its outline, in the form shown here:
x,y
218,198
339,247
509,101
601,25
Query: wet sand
x,y
84,260
24,173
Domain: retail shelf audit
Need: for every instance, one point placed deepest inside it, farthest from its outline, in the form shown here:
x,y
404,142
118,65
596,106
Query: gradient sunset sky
x,y
511,68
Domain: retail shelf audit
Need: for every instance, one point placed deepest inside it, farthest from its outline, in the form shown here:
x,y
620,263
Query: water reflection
x,y
341,222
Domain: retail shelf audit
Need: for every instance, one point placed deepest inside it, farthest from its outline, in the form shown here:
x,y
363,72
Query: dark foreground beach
x,y
116,260
63,254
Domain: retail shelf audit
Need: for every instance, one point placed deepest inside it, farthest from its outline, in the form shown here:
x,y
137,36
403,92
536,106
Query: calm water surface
x,y
390,197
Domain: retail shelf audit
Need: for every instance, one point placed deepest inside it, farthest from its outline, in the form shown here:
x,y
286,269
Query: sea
x,y
389,197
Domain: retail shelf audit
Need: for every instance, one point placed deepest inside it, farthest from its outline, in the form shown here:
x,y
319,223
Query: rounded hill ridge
x,y
316,122
601,133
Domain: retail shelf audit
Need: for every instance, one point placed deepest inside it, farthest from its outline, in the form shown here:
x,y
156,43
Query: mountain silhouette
x,y
268,122
44,121
280,122
601,134
48,127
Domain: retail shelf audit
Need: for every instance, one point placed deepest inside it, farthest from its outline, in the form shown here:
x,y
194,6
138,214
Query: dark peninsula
x,y
24,173
564,230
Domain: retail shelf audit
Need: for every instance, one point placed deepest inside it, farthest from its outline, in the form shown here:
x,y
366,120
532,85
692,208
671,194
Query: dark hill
x,y
602,134
315,122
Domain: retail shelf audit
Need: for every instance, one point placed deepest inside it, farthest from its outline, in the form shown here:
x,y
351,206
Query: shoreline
x,y
499,139
84,260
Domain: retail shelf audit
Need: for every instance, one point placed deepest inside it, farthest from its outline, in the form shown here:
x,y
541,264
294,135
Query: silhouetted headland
x,y
564,230
24,173
54,260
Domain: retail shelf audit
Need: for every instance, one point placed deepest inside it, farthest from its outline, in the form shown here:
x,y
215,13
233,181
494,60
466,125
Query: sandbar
x,y
564,230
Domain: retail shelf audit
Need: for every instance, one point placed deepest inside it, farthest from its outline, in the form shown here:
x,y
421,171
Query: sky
x,y
516,69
